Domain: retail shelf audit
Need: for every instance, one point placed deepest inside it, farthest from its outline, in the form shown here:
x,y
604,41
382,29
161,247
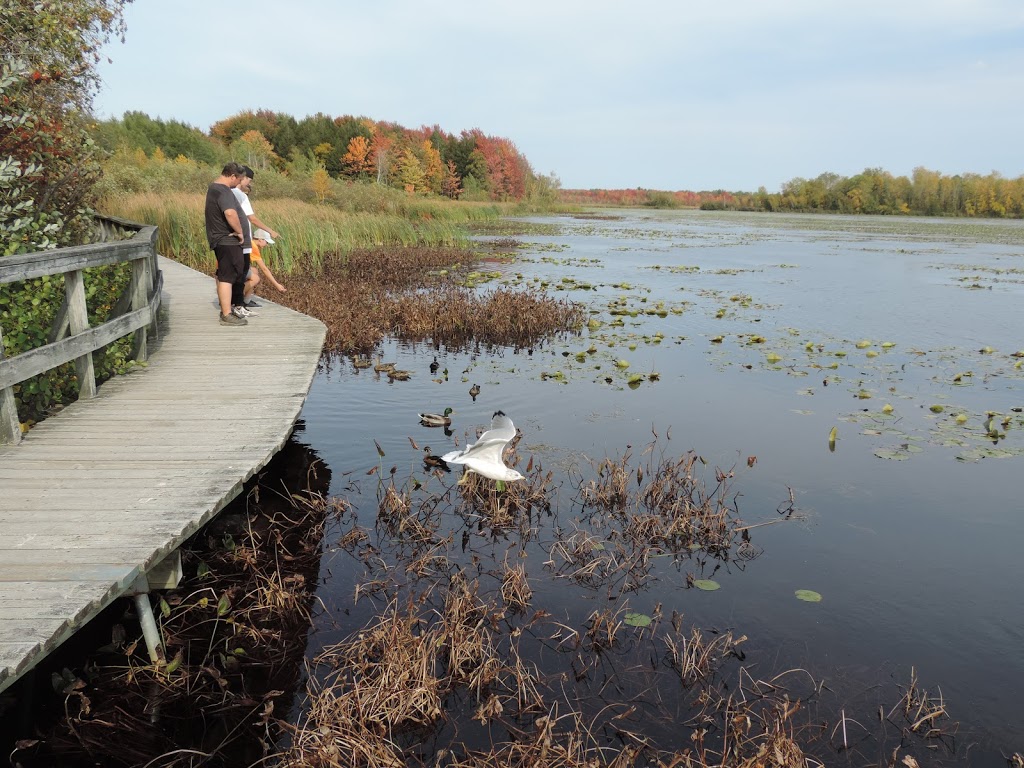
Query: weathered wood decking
x,y
100,493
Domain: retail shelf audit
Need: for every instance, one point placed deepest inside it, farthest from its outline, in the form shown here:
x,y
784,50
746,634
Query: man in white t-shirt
x,y
242,307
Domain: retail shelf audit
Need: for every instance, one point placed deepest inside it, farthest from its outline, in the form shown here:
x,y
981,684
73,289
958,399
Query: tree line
x,y
426,160
874,191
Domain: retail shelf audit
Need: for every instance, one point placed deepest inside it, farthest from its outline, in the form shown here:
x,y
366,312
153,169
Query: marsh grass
x,y
310,234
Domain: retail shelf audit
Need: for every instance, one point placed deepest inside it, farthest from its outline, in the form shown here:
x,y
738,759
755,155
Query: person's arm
x,y
235,223
254,219
262,264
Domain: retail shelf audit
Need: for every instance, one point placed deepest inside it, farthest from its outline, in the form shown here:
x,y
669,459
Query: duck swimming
x,y
430,460
437,419
474,391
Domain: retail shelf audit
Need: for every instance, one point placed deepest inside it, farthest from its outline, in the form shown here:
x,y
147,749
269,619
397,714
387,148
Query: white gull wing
x,y
502,429
484,458
482,453
485,455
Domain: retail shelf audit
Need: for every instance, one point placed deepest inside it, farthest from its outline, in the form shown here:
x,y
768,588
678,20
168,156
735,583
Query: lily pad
x,y
637,619
708,585
892,454
808,595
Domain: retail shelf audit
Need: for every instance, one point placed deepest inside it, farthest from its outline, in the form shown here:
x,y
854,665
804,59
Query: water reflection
x,y
895,547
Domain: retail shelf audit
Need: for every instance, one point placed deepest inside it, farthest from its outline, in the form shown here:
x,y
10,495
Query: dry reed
x,y
410,294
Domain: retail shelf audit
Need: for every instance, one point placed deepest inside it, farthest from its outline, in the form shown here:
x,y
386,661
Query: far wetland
x,y
771,512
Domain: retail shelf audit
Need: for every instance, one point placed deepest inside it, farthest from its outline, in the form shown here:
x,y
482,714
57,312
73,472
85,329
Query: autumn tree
x,y
321,182
357,161
410,172
506,168
253,149
451,184
433,168
48,53
381,154
231,129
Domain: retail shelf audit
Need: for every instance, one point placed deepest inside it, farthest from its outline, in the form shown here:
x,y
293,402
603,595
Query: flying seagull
x,y
485,455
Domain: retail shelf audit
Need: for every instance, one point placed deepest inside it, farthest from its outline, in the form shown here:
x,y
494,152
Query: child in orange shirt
x,y
260,239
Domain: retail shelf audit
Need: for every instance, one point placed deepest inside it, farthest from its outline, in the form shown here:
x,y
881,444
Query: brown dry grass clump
x,y
411,294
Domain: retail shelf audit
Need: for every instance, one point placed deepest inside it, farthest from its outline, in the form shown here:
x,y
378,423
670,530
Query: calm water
x,y
911,529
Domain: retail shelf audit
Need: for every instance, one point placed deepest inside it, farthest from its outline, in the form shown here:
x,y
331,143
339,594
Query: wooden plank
x,y
120,574
16,630
103,555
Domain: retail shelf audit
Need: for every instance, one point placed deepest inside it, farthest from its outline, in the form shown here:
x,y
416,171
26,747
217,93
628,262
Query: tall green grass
x,y
309,232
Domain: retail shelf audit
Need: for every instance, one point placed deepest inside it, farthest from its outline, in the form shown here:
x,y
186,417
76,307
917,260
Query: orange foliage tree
x,y
357,160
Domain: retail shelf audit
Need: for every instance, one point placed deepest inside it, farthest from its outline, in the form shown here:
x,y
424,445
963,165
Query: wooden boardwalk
x,y
97,495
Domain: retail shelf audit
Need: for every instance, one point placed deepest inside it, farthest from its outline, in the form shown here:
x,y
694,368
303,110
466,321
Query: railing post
x,y
10,425
154,272
140,300
78,319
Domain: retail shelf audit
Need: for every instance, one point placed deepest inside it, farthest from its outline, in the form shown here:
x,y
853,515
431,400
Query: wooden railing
x,y
71,338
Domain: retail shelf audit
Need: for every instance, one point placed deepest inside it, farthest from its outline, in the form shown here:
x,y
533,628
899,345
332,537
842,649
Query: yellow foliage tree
x,y
158,156
253,149
321,184
433,168
410,172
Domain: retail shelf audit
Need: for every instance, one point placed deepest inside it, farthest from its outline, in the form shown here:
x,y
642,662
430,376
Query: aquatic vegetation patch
x,y
415,294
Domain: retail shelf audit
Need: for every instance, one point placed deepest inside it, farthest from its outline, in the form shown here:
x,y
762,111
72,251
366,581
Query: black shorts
x,y
230,263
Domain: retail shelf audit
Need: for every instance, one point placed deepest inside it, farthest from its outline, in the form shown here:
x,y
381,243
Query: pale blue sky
x,y
662,94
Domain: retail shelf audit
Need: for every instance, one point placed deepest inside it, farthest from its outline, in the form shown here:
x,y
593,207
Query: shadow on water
x,y
234,633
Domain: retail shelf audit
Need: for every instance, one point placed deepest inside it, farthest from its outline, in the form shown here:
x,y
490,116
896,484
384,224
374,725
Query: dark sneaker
x,y
250,304
233,320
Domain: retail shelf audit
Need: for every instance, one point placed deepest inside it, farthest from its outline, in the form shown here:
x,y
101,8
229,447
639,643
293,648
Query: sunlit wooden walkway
x,y
97,495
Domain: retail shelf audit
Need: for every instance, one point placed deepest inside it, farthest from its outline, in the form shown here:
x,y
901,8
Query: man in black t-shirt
x,y
225,235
